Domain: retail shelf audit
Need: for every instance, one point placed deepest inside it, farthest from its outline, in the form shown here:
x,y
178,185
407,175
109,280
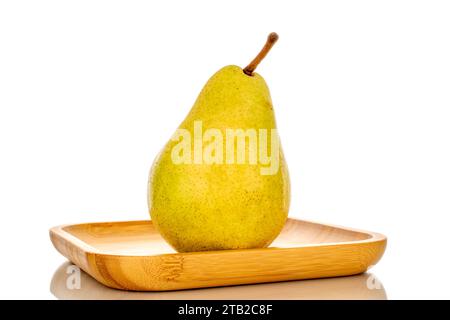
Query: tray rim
x,y
88,249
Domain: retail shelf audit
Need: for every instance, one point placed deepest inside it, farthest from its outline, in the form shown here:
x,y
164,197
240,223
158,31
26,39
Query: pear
x,y
222,182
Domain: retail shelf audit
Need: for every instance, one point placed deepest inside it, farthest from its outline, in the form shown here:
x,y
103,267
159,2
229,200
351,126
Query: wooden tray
x,y
364,286
132,255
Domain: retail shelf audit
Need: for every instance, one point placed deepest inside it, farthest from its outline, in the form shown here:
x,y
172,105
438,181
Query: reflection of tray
x,y
132,256
365,286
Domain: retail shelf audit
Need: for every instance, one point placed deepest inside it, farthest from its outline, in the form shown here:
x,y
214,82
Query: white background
x,y
91,90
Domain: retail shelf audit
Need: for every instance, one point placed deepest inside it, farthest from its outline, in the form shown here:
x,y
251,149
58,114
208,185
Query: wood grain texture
x,y
359,287
133,256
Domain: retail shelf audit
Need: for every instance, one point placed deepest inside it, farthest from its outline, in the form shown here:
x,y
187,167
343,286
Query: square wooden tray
x,y
132,255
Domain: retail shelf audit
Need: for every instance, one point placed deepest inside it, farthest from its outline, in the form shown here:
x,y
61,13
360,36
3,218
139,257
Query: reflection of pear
x,y
222,181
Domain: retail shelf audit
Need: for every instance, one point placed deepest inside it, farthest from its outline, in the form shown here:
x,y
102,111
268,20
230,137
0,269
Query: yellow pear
x,y
222,182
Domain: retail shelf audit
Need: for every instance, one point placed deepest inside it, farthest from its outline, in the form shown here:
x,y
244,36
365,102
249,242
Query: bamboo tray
x,y
132,255
364,286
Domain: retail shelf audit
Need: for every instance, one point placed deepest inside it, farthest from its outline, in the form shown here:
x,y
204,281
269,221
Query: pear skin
x,y
207,201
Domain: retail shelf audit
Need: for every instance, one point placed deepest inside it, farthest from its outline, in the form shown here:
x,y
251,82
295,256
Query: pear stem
x,y
271,39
